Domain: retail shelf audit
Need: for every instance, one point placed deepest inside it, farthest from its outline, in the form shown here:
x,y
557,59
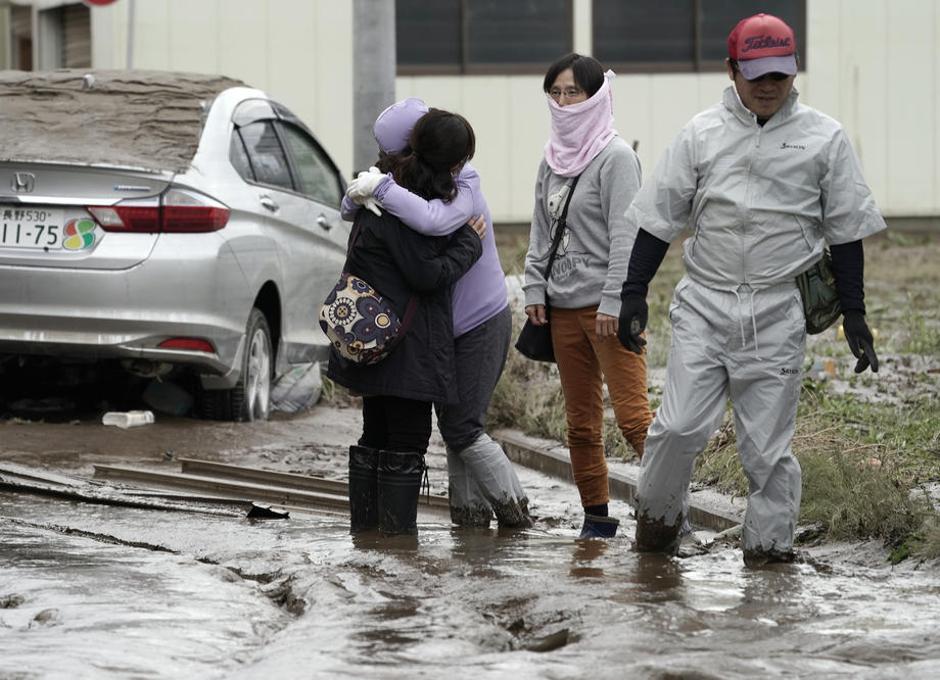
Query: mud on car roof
x,y
140,119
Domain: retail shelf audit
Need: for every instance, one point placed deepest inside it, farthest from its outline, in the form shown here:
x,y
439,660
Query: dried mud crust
x,y
510,513
655,535
475,515
141,119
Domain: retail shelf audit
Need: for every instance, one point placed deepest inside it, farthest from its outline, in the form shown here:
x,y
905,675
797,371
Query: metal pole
x,y
373,73
129,61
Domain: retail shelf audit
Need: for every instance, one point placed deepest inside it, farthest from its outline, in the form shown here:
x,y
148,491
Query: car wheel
x,y
250,399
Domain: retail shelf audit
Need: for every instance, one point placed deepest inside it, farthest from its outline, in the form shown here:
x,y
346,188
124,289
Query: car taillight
x,y
176,211
188,211
128,217
188,344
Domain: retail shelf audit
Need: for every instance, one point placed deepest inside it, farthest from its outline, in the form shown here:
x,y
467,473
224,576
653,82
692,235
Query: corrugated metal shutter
x,y
76,34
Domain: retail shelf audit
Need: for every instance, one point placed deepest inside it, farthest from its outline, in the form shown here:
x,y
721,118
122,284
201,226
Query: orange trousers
x,y
585,361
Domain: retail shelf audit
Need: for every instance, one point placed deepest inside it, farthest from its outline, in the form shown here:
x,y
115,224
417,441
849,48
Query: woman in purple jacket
x,y
481,478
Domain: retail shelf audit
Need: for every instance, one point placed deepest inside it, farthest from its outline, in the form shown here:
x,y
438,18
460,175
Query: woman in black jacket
x,y
385,467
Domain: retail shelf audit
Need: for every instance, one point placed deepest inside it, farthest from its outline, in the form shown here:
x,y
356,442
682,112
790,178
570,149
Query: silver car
x,y
173,222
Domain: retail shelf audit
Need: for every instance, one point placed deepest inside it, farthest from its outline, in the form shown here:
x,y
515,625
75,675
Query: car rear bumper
x,y
78,345
128,313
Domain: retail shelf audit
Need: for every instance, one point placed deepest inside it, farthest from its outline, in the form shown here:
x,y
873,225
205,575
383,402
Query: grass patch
x,y
860,463
927,544
923,337
528,396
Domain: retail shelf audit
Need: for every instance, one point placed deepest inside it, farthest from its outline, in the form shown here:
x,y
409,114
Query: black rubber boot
x,y
654,535
363,489
596,526
400,475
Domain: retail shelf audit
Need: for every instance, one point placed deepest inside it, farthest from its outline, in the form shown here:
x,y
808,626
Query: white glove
x,y
364,185
370,204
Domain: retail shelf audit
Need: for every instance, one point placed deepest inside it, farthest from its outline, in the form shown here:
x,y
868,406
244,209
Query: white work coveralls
x,y
761,203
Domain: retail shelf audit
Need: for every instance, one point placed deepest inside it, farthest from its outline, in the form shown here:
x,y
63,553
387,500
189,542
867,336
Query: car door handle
x,y
269,203
325,223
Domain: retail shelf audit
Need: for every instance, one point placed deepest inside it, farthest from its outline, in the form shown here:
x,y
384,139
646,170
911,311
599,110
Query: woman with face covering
x,y
416,272
583,289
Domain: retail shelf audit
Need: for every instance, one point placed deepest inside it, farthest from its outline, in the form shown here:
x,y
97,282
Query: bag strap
x,y
410,309
561,225
409,316
353,236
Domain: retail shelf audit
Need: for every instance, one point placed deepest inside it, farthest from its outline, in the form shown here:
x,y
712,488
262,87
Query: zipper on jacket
x,y
748,204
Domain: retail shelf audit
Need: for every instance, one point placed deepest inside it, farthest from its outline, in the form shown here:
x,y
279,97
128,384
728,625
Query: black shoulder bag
x,y
535,342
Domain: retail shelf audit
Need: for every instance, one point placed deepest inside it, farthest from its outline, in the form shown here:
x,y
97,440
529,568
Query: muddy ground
x,y
109,592
96,591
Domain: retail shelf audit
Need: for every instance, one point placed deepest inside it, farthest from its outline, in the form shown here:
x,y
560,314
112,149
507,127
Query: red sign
x,y
99,3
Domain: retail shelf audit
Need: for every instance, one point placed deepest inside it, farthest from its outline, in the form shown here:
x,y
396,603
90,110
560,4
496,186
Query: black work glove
x,y
860,340
634,313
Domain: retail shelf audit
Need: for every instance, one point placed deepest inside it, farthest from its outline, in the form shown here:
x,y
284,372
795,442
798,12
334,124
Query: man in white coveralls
x,y
763,183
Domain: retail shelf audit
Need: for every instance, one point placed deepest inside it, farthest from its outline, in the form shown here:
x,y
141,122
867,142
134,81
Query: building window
x,y
21,33
680,35
481,36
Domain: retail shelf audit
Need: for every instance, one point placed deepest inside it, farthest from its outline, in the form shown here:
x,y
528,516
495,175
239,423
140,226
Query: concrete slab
x,y
708,509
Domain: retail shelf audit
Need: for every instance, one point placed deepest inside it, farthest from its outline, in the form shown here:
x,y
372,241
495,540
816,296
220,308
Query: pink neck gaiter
x,y
580,131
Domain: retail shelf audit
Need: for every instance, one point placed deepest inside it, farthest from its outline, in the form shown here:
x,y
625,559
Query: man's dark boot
x,y
363,489
657,536
400,475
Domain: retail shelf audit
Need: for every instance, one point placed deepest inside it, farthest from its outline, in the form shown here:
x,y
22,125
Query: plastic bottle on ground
x,y
126,419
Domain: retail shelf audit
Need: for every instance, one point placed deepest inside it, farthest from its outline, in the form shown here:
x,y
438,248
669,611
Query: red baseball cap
x,y
763,44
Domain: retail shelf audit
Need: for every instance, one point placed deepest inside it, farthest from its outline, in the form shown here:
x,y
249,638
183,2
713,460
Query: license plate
x,y
44,228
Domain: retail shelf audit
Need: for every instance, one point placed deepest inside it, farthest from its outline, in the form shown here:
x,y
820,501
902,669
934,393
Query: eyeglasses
x,y
569,92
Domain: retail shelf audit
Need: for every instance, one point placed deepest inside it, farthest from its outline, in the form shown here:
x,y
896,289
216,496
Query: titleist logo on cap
x,y
760,42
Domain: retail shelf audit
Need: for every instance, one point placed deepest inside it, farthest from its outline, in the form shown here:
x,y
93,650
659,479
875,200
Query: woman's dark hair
x,y
588,73
439,142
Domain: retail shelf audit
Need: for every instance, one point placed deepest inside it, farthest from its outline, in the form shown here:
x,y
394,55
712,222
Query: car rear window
x,y
142,119
266,155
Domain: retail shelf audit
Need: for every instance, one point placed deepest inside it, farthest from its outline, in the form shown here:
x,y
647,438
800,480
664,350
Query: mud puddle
x,y
203,596
73,607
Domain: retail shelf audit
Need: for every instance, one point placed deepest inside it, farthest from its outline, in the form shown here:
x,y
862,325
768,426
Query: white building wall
x,y
298,51
872,64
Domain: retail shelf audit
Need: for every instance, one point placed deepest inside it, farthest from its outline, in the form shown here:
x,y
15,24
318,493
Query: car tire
x,y
250,399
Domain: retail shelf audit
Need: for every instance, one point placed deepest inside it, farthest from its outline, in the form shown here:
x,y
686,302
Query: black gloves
x,y
634,313
860,340
648,253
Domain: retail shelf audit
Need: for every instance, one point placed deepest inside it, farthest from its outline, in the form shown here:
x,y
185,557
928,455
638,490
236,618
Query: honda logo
x,y
24,182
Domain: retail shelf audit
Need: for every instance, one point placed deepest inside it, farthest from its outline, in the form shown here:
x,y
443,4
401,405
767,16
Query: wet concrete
x,y
104,591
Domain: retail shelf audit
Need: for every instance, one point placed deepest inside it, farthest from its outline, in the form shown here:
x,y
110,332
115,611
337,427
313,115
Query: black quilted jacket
x,y
399,263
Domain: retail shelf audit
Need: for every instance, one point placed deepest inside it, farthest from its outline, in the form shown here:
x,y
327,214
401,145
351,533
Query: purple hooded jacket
x,y
481,293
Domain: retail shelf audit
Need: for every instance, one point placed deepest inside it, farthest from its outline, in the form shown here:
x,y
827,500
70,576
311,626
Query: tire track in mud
x,y
275,586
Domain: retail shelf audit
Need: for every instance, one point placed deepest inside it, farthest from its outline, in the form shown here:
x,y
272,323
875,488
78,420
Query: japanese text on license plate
x,y
33,227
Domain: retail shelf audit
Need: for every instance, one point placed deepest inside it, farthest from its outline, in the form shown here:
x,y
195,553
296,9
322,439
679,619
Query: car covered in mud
x,y
170,223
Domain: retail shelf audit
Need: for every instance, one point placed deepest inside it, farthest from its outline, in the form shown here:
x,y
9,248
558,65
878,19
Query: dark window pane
x,y
266,155
316,176
427,32
518,31
718,17
240,159
644,31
